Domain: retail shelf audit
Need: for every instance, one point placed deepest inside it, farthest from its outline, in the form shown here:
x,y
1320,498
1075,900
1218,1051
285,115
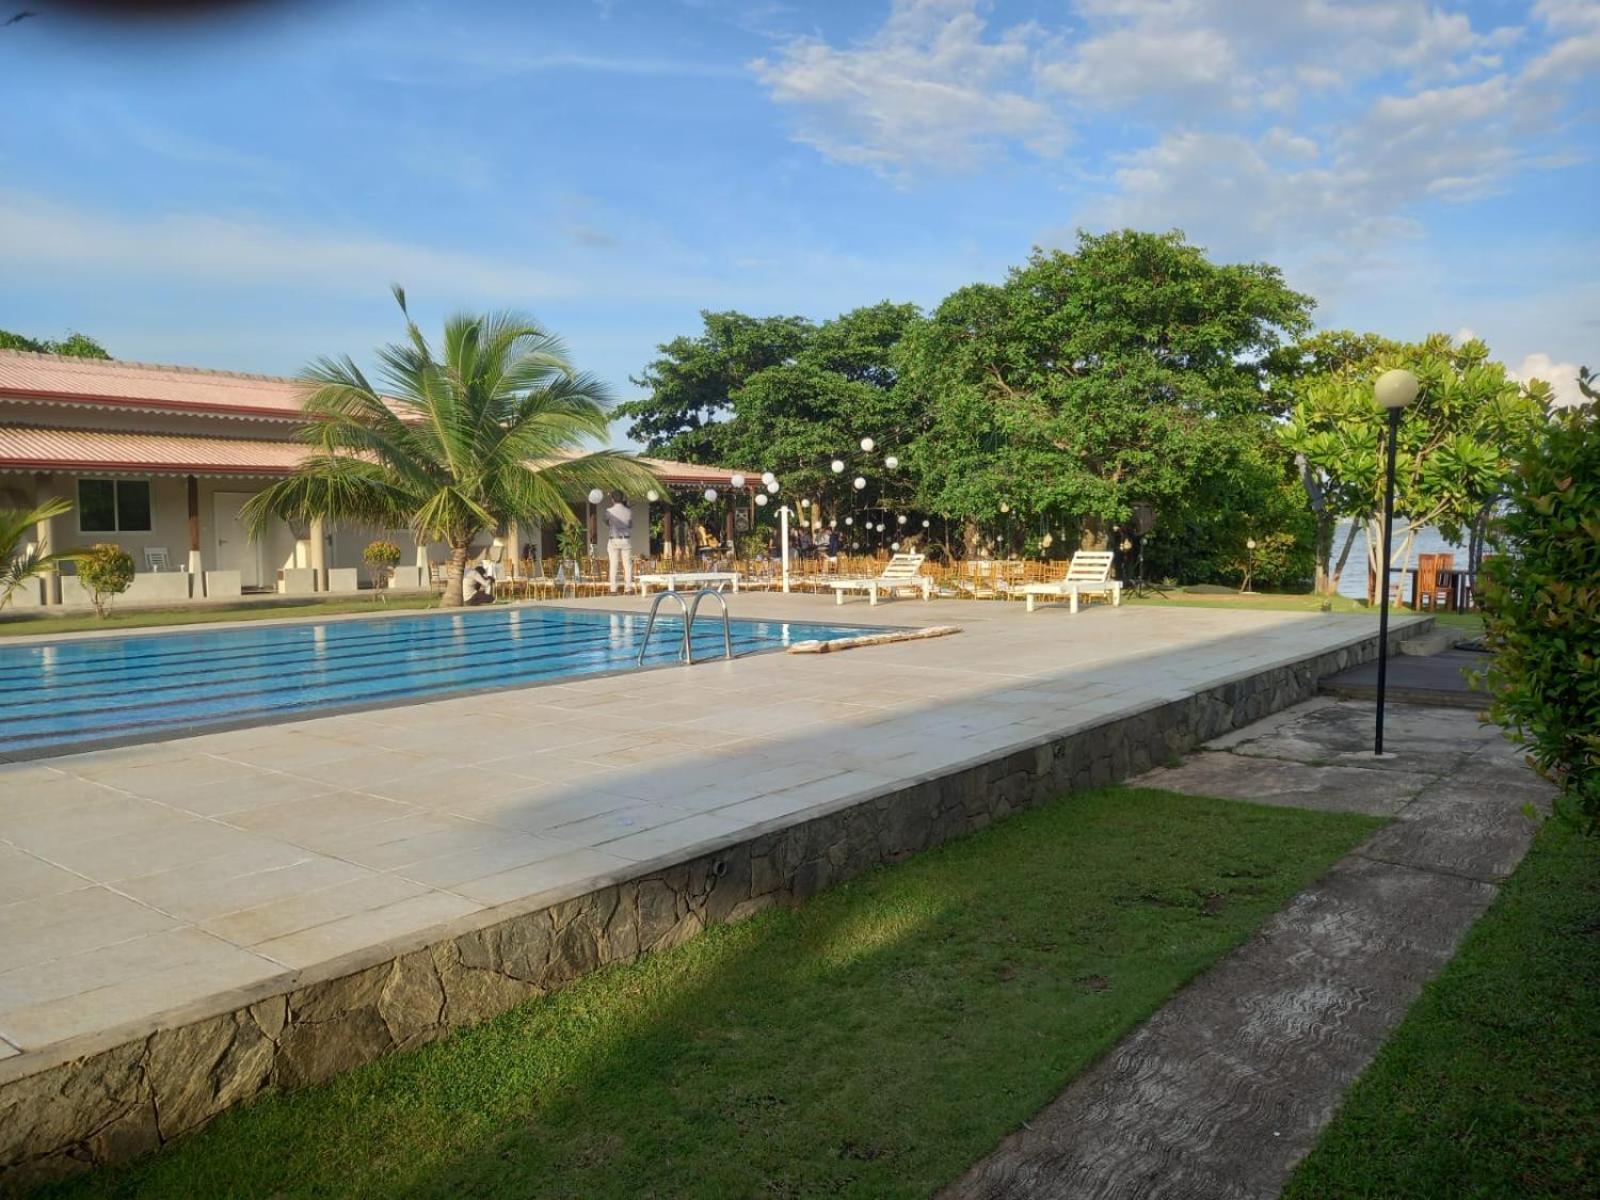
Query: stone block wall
x,y
113,1105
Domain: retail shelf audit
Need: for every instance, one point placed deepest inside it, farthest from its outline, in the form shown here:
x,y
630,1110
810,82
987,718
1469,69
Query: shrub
x,y
1542,607
381,558
107,571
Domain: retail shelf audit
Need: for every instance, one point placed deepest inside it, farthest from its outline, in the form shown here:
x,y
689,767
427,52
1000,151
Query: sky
x,y
238,191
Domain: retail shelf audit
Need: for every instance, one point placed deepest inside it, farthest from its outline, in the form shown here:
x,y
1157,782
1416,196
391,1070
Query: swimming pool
x,y
59,695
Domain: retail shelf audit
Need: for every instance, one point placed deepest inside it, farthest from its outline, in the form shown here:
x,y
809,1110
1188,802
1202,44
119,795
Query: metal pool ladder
x,y
689,611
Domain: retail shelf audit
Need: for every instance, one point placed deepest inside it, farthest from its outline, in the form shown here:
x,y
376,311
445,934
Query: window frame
x,y
116,505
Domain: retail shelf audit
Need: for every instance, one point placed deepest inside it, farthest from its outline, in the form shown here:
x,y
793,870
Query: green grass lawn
x,y
1491,1085
872,1043
13,624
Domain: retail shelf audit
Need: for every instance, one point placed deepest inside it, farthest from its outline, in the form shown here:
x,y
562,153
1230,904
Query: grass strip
x,y
1491,1085
872,1043
14,624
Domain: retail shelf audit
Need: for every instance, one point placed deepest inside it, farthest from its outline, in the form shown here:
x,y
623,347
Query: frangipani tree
x,y
1455,441
22,558
489,428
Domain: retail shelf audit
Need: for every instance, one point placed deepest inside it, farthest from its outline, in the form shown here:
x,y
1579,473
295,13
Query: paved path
x,y
1219,1094
148,880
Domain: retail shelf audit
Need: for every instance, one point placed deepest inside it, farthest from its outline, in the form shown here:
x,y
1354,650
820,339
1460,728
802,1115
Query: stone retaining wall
x,y
116,1103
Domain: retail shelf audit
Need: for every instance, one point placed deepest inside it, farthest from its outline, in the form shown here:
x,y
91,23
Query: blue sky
x,y
239,193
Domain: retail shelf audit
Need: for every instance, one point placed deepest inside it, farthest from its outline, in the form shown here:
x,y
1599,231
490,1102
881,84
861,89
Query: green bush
x,y
107,571
381,558
572,544
1542,606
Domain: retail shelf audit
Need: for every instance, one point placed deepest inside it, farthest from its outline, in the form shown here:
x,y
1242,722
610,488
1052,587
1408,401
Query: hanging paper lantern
x,y
737,481
838,466
866,445
596,495
859,483
711,493
760,499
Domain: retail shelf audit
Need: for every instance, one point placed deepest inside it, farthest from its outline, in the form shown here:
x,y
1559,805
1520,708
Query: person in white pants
x,y
619,546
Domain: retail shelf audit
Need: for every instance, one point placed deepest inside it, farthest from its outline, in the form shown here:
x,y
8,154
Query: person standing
x,y
619,545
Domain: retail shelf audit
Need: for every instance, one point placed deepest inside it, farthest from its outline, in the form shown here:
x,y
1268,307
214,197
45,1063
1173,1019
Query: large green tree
x,y
692,381
74,345
1095,379
1454,453
489,428
785,395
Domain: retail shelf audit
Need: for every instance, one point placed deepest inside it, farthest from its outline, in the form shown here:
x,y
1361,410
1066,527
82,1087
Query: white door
x,y
235,550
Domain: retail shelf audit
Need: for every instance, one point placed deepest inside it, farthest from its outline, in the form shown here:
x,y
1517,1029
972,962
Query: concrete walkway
x,y
141,882
1225,1089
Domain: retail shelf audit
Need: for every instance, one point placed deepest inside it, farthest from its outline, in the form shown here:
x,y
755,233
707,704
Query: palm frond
x,y
21,557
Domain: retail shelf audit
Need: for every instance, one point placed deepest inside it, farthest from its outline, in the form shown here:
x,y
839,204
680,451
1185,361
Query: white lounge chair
x,y
1089,574
901,573
156,559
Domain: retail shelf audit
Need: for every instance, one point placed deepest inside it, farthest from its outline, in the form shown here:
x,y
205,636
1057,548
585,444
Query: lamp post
x,y
783,544
1393,391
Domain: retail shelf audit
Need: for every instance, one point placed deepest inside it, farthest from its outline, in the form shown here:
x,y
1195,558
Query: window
x,y
113,506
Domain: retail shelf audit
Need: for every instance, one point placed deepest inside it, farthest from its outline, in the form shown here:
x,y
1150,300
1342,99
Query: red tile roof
x,y
135,386
143,386
29,448
24,447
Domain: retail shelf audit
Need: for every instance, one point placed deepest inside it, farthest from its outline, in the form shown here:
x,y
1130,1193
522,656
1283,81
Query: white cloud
x,y
929,90
242,250
1157,67
1561,376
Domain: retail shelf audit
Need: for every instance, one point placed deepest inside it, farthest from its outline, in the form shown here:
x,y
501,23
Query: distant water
x,y
1353,582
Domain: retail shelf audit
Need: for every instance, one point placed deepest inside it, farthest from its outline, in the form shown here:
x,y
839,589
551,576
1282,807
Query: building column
x,y
197,570
319,554
45,536
513,549
666,533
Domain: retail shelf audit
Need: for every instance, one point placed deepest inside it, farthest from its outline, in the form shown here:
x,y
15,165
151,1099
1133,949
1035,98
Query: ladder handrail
x,y
687,652
727,627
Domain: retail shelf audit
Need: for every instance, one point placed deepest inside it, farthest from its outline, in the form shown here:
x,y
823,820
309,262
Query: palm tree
x,y
20,560
489,430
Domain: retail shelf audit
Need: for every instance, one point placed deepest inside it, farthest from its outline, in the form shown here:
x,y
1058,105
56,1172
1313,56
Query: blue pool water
x,y
68,693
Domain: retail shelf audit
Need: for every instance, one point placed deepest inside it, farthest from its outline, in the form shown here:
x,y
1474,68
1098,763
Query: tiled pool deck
x,y
142,881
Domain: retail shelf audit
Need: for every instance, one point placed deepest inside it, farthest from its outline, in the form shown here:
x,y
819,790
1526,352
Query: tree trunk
x,y
455,571
1325,581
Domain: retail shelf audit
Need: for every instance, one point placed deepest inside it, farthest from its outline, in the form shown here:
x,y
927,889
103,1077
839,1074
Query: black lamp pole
x,y
1383,581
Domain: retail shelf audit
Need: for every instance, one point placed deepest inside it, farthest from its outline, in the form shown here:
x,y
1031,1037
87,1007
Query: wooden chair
x,y
1430,593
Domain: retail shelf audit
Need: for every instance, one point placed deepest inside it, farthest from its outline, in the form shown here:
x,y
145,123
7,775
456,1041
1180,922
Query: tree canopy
x,y
74,345
487,429
1096,379
1455,443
